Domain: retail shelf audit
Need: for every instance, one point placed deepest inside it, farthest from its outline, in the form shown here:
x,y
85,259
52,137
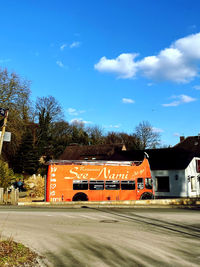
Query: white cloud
x,y
60,64
177,63
170,64
116,126
197,87
189,46
149,84
187,99
75,44
124,65
180,99
62,47
177,134
192,27
71,111
80,121
127,101
157,130
74,112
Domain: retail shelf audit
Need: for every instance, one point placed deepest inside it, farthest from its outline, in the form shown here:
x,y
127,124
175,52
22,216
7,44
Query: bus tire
x,y
80,197
146,195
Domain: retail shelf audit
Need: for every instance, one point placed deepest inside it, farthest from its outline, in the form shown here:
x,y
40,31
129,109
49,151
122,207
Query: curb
x,y
153,203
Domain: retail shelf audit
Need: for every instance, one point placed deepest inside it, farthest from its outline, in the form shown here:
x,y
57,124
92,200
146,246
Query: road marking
x,y
104,216
88,217
69,216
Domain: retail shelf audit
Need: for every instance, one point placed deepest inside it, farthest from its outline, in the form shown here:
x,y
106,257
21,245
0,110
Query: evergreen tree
x,y
43,136
27,158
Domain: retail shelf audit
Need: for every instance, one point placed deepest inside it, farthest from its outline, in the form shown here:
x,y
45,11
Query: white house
x,y
179,182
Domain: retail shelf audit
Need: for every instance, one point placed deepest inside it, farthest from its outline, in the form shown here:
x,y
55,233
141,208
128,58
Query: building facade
x,y
178,182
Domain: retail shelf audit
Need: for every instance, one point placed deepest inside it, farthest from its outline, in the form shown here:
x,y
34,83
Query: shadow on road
x,y
85,251
178,228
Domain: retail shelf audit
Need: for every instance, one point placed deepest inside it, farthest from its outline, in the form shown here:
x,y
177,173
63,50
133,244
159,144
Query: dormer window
x,y
198,165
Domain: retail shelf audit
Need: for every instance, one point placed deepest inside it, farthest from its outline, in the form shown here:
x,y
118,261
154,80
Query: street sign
x,y
7,136
2,111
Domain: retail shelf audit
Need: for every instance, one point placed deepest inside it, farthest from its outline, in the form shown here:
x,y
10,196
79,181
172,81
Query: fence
x,y
1,195
9,196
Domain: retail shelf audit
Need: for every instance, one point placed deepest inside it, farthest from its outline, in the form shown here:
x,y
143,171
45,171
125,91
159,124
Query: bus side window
x,y
80,185
96,185
140,183
128,185
112,185
148,183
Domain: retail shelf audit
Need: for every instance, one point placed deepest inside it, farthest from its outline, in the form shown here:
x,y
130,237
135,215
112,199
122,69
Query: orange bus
x,y
98,181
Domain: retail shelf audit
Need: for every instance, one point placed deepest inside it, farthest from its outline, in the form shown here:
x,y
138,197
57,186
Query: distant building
x,y
190,143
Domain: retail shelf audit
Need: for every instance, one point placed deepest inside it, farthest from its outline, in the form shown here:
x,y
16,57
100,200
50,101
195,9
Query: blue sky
x,y
112,63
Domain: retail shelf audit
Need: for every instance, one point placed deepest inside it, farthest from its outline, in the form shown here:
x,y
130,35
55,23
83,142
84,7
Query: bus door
x,y
140,187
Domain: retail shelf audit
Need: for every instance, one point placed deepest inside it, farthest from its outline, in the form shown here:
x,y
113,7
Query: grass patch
x,y
16,254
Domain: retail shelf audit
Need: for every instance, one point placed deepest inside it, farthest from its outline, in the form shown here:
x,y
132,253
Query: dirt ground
x,y
30,199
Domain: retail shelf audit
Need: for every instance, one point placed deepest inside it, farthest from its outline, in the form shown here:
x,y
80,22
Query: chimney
x,y
123,148
182,138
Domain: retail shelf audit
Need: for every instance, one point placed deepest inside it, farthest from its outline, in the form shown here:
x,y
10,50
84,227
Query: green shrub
x,y
6,174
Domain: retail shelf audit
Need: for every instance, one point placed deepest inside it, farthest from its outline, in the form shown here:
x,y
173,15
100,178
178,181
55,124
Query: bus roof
x,y
94,162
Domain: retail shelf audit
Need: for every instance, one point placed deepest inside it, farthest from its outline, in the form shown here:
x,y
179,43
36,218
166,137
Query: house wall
x,y
191,173
177,183
180,181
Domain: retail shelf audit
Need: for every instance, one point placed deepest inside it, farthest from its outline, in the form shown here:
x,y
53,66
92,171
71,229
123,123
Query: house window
x,y
162,184
198,165
193,184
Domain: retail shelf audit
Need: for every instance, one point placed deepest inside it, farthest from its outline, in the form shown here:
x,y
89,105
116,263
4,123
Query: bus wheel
x,y
80,197
146,195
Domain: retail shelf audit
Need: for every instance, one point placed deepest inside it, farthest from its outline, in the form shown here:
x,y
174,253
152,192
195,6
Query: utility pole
x,y
3,129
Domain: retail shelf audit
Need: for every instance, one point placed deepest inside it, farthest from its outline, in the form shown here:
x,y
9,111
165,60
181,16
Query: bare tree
x,y
113,138
14,91
49,105
14,94
147,136
131,141
95,135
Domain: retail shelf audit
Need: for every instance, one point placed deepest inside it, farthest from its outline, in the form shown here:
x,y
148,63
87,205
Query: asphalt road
x,y
107,237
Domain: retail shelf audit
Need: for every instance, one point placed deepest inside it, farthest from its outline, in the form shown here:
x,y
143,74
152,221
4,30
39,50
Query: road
x,y
107,237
